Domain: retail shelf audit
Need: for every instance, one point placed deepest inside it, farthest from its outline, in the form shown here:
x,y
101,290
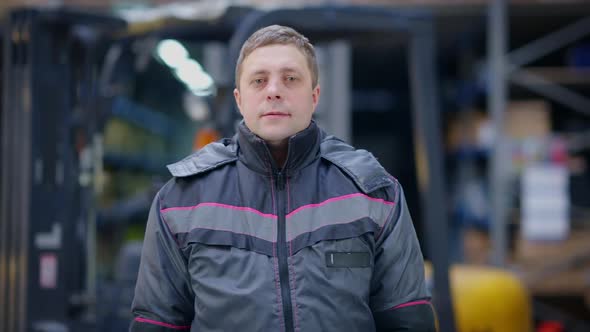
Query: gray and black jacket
x,y
234,243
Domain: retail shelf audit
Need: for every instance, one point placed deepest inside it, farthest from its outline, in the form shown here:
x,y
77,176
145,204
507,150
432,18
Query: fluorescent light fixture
x,y
196,79
202,84
201,81
188,70
172,53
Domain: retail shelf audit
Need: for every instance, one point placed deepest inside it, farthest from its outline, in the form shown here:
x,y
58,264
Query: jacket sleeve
x,y
163,298
400,300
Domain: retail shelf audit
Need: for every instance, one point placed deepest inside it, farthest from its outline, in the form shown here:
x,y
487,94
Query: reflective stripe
x,y
409,304
170,326
220,217
245,221
338,210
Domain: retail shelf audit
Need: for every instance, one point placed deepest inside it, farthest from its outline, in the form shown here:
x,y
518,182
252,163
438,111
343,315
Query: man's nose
x,y
273,90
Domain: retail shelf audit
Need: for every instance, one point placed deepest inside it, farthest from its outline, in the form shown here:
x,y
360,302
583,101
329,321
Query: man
x,y
281,228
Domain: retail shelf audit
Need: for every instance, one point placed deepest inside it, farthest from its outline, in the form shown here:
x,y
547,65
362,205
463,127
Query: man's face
x,y
275,94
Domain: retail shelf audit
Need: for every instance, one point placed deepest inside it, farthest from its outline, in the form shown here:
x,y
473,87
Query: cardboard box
x,y
464,129
525,119
522,119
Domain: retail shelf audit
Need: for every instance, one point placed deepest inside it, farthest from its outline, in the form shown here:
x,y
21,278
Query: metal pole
x,y
558,93
6,181
549,43
497,32
422,56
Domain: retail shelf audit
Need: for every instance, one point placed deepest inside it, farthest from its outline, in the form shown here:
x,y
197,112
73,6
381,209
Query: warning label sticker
x,y
48,271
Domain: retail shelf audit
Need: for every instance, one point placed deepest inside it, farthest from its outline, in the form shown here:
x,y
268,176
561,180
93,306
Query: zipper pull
x,y
280,181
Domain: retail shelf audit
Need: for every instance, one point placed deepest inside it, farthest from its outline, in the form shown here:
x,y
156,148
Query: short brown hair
x,y
278,34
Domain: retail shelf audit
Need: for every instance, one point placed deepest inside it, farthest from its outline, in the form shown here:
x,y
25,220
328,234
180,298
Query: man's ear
x,y
315,95
238,99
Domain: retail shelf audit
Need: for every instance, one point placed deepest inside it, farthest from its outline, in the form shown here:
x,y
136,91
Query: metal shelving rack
x,y
504,67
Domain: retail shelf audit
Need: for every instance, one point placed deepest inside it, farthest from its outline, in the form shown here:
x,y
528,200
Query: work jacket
x,y
324,243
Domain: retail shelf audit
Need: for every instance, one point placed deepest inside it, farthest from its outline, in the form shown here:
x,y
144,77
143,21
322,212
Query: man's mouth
x,y
275,114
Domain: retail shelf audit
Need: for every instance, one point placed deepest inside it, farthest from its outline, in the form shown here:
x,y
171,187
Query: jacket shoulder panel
x,y
210,157
360,165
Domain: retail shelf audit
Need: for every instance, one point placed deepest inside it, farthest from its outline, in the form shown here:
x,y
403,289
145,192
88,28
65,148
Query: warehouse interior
x,y
481,109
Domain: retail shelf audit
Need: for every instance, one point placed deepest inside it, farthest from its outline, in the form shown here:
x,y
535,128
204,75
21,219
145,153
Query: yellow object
x,y
488,299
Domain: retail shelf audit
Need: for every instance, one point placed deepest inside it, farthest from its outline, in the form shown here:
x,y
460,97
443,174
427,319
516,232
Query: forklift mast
x,y
49,121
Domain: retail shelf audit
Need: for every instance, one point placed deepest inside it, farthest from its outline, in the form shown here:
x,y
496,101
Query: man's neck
x,y
279,151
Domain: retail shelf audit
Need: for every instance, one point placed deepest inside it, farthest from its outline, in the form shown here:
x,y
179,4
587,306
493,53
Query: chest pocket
x,y
348,259
336,273
349,241
352,253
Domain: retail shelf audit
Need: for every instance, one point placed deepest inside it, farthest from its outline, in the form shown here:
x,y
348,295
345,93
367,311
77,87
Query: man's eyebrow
x,y
258,72
289,70
265,72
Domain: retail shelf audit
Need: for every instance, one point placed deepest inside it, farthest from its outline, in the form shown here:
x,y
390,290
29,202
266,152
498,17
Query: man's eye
x,y
258,81
291,78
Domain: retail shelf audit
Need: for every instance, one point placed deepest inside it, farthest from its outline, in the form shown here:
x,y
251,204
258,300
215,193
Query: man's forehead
x,y
275,57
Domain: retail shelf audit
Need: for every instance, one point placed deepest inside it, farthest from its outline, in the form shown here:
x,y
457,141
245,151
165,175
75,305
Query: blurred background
x,y
480,108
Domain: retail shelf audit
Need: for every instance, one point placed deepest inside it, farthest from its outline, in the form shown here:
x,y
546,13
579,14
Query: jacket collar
x,y
302,149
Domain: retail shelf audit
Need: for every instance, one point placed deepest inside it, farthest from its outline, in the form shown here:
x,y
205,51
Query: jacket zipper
x,y
283,253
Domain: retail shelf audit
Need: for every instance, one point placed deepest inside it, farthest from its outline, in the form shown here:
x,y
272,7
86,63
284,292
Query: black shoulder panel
x,y
360,165
210,157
